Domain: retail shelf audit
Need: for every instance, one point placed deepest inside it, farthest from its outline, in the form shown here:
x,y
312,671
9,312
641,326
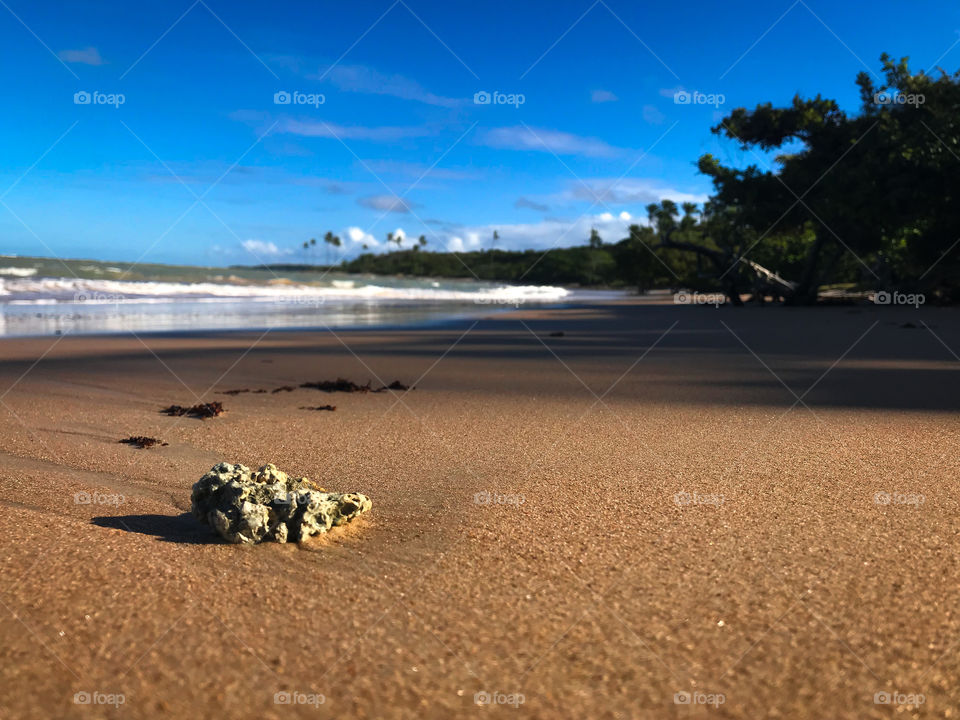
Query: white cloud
x,y
358,236
316,128
554,232
86,56
603,96
543,235
261,248
561,143
361,79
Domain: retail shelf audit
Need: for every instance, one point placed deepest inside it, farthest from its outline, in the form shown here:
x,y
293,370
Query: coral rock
x,y
252,507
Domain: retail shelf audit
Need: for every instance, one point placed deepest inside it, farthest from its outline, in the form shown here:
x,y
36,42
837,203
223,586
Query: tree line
x,y
866,200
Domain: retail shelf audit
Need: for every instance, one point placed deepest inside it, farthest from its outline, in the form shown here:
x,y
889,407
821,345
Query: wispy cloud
x,y
86,56
629,191
362,79
315,128
603,96
652,115
418,170
542,140
386,203
529,204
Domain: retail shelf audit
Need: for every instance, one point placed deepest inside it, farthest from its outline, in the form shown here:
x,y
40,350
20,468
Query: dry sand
x,y
582,587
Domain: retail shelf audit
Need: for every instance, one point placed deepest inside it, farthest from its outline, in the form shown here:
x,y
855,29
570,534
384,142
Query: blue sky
x,y
200,164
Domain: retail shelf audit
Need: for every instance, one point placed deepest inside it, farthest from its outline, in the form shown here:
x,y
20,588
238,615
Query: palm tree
x,y
328,239
335,241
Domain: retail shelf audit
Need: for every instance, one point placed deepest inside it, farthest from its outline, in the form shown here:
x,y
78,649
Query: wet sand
x,y
755,508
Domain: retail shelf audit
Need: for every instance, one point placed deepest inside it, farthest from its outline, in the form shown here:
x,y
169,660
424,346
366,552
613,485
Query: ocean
x,y
46,296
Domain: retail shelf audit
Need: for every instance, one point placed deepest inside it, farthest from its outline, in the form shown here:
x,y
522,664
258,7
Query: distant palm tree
x,y
335,241
328,239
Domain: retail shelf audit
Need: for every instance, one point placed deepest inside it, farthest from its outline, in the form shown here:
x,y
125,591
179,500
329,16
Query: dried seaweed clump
x,y
348,386
143,442
268,505
202,410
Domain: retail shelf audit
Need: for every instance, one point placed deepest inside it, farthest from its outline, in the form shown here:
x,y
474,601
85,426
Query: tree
x,y
328,239
595,240
872,195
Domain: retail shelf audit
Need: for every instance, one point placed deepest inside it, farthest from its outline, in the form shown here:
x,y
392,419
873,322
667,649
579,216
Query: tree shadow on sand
x,y
182,528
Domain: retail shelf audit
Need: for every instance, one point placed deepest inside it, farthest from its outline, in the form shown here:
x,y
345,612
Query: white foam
x,y
18,271
71,290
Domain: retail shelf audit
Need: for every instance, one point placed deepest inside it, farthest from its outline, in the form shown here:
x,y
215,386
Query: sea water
x,y
42,296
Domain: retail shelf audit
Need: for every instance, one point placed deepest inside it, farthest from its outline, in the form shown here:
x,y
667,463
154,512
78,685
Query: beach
x,y
600,511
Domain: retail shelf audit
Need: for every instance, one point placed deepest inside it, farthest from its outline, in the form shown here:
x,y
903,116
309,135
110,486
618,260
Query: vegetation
x,y
866,200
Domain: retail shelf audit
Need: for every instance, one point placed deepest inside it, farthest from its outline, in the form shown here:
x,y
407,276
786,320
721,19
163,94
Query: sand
x,y
665,500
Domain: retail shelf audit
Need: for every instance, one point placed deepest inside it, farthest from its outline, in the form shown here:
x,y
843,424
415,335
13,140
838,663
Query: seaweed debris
x,y
201,410
143,442
348,386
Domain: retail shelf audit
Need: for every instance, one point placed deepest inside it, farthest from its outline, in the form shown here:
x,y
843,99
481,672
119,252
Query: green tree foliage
x,y
867,198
